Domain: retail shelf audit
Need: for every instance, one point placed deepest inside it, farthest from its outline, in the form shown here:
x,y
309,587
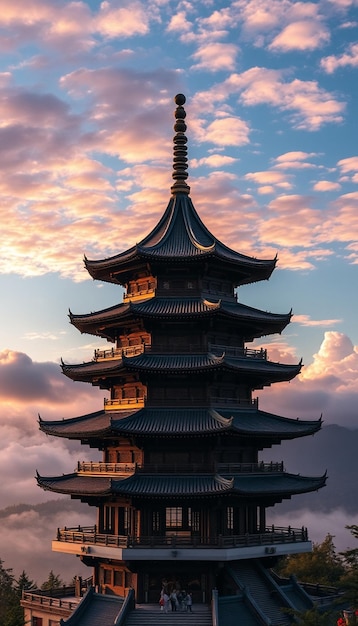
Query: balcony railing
x,y
179,348
123,403
101,467
135,295
118,353
195,468
48,602
251,403
272,535
238,352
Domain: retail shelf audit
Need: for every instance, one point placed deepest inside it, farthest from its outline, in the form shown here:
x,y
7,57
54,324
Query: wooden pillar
x,y
262,526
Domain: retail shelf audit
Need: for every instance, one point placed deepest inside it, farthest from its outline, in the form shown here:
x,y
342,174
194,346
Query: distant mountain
x,y
335,449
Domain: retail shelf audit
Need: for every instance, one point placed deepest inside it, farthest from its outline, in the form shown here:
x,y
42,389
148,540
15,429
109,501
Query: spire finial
x,y
180,161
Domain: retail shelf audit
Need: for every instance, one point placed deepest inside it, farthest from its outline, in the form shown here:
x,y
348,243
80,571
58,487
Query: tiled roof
x,y
277,484
97,322
258,369
181,422
183,485
76,484
181,235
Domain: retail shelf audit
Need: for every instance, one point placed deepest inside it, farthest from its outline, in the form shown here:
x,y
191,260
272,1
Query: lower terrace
x,y
182,545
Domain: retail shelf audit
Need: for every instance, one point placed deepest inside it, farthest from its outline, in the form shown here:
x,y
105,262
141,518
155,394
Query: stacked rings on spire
x,y
180,161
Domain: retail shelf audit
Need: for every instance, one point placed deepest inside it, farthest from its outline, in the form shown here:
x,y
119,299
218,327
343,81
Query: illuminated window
x,y
174,517
230,518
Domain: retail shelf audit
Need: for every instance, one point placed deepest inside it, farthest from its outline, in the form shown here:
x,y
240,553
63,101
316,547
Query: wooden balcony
x,y
234,351
179,348
139,295
100,467
223,468
237,403
88,535
118,353
50,603
117,404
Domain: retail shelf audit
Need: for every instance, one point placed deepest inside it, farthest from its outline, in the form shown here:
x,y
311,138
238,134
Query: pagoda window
x,y
194,520
156,522
230,518
109,518
107,576
123,521
174,517
118,578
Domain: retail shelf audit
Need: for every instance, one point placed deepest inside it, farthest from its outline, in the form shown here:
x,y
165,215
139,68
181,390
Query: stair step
x,y
149,615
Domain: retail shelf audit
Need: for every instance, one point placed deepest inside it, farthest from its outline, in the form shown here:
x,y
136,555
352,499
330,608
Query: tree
x,y
11,613
53,582
24,583
313,617
321,566
349,582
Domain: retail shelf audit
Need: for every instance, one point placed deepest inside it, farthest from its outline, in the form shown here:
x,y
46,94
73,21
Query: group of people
x,y
175,601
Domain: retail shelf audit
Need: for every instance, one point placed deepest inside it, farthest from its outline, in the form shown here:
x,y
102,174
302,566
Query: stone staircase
x,y
264,595
100,611
151,615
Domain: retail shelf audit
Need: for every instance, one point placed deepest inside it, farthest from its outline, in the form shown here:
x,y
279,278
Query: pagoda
x,y
181,493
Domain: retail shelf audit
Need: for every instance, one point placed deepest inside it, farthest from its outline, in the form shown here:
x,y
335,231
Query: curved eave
x,y
183,364
180,422
96,323
76,485
257,369
99,323
86,426
180,236
280,485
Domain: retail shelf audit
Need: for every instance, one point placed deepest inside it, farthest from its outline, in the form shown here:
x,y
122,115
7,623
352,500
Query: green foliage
x,y
321,566
53,582
313,617
349,581
11,613
24,583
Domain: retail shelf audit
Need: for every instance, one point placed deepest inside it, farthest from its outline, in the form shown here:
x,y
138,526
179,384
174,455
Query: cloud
x,y
215,57
348,59
301,35
328,385
326,185
295,160
305,320
309,106
27,532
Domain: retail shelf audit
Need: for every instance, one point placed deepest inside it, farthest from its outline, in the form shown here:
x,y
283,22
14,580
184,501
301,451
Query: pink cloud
x,y
326,185
328,385
309,106
130,18
215,57
301,35
348,59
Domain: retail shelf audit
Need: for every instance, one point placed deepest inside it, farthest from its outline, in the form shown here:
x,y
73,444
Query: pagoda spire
x,y
180,161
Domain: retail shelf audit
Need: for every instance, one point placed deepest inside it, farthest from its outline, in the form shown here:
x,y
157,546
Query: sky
x,y
86,126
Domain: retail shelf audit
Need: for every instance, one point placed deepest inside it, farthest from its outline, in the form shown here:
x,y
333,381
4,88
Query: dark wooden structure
x,y
181,490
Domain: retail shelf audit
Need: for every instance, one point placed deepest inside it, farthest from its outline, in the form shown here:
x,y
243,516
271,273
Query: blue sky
x,y
86,128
